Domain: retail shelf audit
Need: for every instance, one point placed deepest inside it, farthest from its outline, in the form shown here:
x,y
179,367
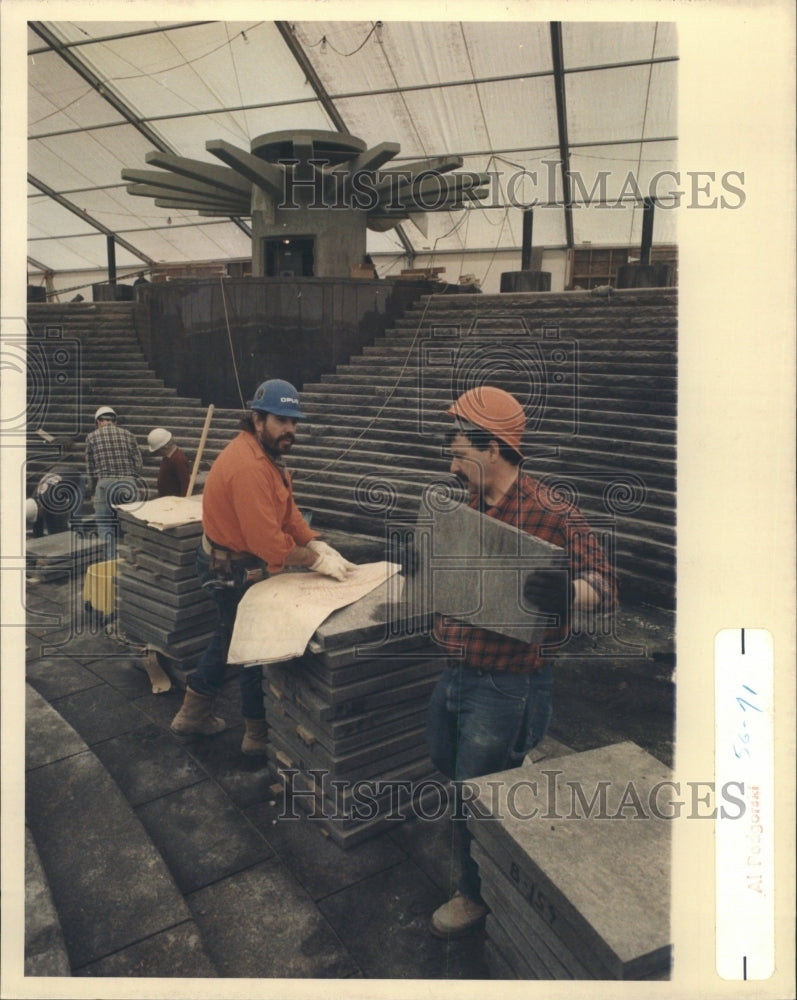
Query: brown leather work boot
x,y
196,717
255,741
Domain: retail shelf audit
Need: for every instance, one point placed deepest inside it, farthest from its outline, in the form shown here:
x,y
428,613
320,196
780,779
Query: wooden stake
x,y
200,449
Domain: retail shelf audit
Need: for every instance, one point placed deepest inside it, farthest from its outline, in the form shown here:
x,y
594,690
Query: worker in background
x,y
113,465
173,472
140,279
252,529
59,498
492,704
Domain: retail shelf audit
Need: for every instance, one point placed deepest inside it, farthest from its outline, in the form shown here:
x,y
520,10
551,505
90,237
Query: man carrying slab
x,y
492,703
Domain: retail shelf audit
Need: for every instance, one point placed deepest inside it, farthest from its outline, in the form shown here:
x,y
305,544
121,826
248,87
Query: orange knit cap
x,y
495,411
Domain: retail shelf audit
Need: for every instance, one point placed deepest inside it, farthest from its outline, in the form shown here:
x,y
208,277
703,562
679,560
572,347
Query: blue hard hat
x,y
278,397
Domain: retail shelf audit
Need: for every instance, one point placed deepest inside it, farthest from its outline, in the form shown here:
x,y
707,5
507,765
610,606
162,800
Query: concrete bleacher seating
x,y
598,377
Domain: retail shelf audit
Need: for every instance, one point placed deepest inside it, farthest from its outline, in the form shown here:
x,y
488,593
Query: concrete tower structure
x,y
311,195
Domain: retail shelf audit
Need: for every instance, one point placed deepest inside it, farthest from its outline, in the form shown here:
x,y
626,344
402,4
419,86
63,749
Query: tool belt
x,y
232,568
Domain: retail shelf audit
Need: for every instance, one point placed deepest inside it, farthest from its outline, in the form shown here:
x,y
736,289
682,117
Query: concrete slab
x,y
245,780
148,763
56,676
362,622
200,835
408,715
497,964
510,961
261,924
605,881
156,566
474,568
48,737
379,685
99,713
384,919
430,844
546,954
45,950
94,850
176,953
164,594
285,685
124,673
317,863
388,644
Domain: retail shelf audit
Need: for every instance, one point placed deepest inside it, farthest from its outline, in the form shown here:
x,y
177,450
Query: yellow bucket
x,y
99,587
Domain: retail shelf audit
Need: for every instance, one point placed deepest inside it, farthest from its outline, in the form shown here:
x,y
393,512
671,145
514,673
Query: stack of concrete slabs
x,y
348,718
63,555
574,857
161,602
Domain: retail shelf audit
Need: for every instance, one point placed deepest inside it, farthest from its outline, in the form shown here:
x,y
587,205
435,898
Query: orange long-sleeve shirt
x,y
247,506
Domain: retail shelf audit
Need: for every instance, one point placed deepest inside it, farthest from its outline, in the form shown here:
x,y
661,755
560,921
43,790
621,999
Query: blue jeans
x,y
209,674
108,492
479,723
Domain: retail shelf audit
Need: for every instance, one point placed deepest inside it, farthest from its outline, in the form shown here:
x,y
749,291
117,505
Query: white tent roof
x,y
102,94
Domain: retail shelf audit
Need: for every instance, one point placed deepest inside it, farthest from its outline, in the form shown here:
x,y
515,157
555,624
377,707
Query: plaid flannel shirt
x,y
112,453
530,507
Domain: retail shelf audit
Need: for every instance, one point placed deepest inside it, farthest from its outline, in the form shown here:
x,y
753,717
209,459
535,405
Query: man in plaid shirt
x,y
113,464
492,703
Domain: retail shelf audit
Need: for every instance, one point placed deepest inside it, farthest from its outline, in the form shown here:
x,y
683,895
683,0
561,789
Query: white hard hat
x,y
31,510
158,438
104,411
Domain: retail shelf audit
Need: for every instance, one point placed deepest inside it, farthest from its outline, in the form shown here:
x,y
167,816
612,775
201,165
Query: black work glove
x,y
551,591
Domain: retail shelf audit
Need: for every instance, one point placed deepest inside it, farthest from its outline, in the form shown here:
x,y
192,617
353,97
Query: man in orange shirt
x,y
252,529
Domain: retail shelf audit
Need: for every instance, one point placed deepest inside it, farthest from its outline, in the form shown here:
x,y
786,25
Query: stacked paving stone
x,y
581,889
63,555
354,708
160,602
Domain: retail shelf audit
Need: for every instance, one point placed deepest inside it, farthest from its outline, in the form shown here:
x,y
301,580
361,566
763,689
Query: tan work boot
x,y
456,917
196,716
255,741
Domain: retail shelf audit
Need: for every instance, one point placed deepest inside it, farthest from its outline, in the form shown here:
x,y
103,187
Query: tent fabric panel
x,y
60,99
507,48
201,242
626,169
114,208
46,218
519,113
87,158
87,31
340,69
593,112
79,253
202,68
600,43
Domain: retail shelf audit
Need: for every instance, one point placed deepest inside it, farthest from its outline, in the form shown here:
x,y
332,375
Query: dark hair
x,y
480,439
247,423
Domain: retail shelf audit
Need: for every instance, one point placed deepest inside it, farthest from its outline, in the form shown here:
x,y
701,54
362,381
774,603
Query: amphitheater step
x,y
93,848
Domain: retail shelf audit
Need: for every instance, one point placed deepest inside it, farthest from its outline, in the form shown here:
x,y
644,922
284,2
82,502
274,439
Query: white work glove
x,y
329,562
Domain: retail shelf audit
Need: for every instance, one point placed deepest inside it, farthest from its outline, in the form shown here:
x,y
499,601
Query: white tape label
x,y
743,684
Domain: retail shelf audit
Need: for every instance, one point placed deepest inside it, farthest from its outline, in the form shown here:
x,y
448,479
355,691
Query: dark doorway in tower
x,y
289,257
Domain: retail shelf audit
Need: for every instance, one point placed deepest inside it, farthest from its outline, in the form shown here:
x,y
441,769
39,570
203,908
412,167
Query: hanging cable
x,y
229,338
644,123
